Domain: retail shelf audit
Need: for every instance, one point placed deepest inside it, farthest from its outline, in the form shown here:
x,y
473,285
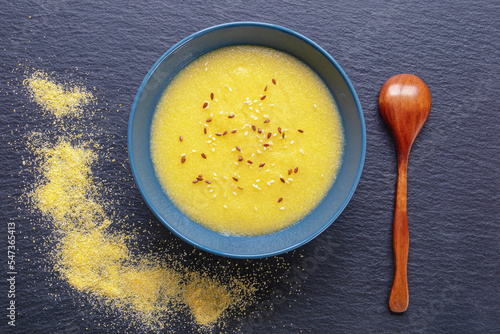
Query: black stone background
x,y
453,185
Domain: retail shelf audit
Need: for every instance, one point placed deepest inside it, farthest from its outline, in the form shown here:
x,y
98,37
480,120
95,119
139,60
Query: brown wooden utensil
x,y
405,103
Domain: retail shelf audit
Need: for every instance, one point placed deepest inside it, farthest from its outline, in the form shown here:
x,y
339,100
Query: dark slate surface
x,y
453,186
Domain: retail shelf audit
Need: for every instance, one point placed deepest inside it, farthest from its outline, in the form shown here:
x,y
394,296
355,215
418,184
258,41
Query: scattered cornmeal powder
x,y
56,98
99,261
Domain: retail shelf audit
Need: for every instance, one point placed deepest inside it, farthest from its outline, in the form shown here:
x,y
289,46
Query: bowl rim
x,y
323,53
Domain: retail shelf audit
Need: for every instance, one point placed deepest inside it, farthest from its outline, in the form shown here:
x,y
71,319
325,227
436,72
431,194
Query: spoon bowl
x,y
405,104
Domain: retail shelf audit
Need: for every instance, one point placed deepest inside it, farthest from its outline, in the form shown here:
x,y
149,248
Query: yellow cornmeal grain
x,y
99,261
268,98
56,98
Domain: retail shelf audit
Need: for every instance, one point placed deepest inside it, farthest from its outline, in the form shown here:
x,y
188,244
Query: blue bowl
x,y
250,33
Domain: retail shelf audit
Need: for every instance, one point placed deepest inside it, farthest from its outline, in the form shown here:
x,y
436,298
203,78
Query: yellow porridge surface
x,y
246,140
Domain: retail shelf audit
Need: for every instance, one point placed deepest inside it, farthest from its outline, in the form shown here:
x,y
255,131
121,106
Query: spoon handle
x,y
399,297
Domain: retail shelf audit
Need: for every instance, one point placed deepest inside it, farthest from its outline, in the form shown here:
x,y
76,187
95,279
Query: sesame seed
x,y
211,191
274,81
302,151
282,208
183,159
208,120
246,133
259,151
229,88
225,206
293,141
205,105
235,193
280,199
203,155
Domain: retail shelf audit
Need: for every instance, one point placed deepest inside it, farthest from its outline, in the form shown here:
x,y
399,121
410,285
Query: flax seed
x,y
230,116
209,120
249,161
289,171
234,131
267,121
212,96
240,158
301,131
263,97
280,199
269,135
274,81
225,133
254,127
218,134
180,138
279,129
203,155
282,179
235,178
262,164
195,181
183,159
205,130
296,169
205,105
238,148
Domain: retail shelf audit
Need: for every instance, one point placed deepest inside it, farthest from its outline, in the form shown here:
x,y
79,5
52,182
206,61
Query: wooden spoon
x,y
405,103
